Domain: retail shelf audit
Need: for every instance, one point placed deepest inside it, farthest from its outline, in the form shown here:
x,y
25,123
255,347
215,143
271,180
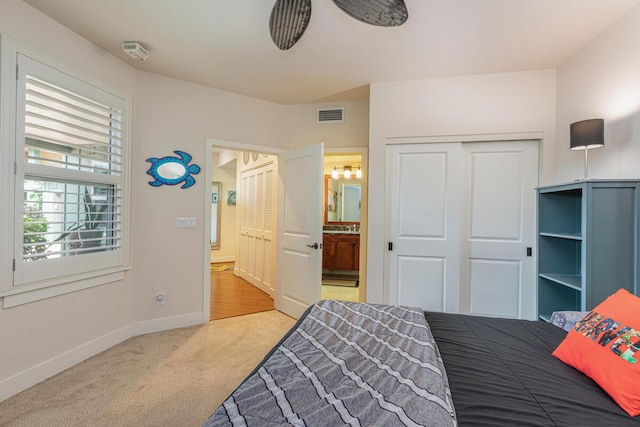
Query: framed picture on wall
x,y
216,188
332,200
231,197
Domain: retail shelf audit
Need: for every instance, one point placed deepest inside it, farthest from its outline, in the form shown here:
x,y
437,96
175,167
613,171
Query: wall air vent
x,y
331,115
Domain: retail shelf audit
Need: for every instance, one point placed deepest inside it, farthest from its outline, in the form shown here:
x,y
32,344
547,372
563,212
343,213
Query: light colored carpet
x,y
171,378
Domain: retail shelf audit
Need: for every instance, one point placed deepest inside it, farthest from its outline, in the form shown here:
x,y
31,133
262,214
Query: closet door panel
x,y
423,227
256,229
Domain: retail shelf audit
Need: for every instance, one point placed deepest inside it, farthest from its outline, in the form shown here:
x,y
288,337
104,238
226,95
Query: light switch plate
x,y
186,222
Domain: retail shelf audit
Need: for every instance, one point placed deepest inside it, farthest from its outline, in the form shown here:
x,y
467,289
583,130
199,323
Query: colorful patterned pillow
x,y
567,319
605,345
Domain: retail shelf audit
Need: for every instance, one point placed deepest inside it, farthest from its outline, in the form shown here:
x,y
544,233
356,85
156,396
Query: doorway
x,y
229,289
342,212
215,144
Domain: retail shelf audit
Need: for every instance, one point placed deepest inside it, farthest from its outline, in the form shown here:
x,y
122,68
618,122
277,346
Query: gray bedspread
x,y
347,364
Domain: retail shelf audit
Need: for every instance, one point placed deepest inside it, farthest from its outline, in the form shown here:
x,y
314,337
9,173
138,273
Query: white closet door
x,y
423,226
256,228
499,196
460,218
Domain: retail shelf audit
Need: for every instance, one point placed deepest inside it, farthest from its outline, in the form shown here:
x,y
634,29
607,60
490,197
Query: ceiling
x,y
227,45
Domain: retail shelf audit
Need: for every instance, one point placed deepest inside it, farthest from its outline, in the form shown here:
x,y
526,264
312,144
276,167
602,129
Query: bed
x,y
365,364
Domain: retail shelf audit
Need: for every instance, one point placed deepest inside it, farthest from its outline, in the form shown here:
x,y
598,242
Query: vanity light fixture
x,y
347,172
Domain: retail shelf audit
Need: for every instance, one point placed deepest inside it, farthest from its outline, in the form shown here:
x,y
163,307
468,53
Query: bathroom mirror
x,y
342,202
216,191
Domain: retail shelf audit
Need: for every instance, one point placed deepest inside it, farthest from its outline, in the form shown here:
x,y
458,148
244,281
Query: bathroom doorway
x,y
342,225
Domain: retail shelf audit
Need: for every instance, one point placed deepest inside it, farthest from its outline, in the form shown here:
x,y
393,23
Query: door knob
x,y
314,246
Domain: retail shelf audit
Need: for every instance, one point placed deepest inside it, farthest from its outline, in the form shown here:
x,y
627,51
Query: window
x,y
70,180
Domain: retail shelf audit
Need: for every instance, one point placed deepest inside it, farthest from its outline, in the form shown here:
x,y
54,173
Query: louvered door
x,y
255,263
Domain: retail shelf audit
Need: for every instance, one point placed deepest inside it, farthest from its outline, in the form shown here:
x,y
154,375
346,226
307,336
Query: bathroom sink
x,y
339,232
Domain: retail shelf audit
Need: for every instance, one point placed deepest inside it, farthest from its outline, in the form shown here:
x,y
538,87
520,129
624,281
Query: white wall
x,y
449,109
228,233
44,337
302,127
603,81
170,115
173,114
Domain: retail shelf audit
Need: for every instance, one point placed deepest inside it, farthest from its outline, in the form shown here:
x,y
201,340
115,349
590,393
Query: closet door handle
x,y
314,246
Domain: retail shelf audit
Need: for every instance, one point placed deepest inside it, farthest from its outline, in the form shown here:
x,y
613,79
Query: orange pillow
x,y
605,345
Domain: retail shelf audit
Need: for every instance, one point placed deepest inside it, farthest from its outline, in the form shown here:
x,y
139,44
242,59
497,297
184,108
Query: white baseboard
x,y
166,323
40,372
229,258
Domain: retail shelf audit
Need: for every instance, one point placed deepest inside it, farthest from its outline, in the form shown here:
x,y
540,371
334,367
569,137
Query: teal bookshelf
x,y
587,243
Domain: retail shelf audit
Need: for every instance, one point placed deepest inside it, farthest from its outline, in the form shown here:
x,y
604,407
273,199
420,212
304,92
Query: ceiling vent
x,y
331,115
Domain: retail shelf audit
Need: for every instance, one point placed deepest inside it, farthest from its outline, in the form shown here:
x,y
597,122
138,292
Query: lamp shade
x,y
587,134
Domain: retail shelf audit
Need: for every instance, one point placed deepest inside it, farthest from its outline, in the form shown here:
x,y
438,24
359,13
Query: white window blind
x,y
70,152
65,130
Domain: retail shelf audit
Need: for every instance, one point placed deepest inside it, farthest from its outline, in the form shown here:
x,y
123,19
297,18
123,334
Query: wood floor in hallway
x,y
233,296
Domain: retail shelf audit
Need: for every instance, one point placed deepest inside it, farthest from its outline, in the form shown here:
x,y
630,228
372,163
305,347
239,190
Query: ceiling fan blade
x,y
383,13
289,19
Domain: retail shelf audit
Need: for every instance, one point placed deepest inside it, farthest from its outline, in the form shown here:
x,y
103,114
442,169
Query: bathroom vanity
x,y
341,250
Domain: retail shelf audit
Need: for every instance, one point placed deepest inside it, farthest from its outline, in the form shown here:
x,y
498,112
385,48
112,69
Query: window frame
x,y
46,278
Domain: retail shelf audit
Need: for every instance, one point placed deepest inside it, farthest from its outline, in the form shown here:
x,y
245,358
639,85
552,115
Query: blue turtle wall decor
x,y
172,170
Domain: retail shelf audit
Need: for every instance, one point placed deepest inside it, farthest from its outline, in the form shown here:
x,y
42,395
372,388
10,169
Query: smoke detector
x,y
136,50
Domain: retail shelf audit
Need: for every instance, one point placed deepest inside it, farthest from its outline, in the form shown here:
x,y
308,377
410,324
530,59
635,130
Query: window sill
x,y
28,294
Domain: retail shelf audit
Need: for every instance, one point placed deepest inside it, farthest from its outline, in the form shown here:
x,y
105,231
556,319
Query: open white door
x,y
299,243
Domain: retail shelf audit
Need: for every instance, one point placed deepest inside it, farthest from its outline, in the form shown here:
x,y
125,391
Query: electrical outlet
x,y
160,299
